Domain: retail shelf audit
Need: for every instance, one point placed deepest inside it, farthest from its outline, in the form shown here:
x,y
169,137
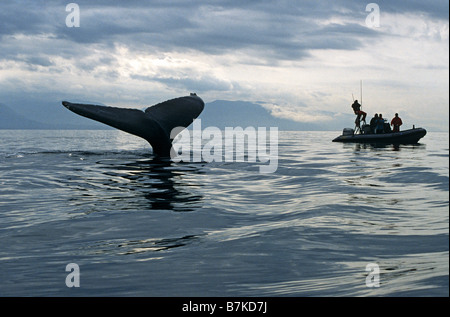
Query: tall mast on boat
x,y
360,87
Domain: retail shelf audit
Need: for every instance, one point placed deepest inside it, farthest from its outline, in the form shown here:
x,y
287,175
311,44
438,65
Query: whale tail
x,y
155,124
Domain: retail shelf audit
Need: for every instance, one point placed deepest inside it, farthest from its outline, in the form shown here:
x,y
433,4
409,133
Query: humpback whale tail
x,y
155,124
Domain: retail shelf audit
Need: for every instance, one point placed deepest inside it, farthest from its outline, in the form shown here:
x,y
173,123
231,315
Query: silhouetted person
x,y
361,115
380,124
373,123
396,122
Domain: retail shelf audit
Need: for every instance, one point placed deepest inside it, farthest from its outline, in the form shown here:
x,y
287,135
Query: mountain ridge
x,y
218,113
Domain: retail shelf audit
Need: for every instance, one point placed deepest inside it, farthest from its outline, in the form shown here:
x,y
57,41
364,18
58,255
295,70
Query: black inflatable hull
x,y
410,136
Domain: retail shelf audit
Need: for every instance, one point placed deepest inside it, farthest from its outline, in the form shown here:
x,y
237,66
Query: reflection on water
x,y
128,247
139,246
116,183
160,182
392,147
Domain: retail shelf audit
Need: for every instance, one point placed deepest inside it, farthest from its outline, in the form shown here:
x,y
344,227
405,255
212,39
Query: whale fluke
x,y
155,124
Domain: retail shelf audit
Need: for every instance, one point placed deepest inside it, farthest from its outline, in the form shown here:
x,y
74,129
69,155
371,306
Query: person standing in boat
x,y
373,123
361,115
396,122
380,124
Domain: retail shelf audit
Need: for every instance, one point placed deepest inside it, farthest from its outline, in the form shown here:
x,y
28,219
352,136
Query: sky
x,y
302,60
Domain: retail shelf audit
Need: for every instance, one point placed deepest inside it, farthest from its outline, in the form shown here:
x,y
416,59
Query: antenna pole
x,y
360,84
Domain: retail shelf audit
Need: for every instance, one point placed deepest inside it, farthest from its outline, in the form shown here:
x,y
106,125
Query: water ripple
x,y
146,227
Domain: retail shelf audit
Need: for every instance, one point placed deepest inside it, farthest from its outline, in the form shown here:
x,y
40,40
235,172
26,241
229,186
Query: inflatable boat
x,y
410,136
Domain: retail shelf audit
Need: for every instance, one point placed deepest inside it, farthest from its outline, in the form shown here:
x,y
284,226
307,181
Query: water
x,y
136,226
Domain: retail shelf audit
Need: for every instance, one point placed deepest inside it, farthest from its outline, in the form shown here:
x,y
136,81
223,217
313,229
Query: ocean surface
x,y
137,226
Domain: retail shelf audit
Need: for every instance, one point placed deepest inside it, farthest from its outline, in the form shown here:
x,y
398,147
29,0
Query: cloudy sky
x,y
303,59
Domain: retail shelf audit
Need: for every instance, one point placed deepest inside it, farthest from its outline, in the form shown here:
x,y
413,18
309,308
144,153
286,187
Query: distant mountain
x,y
222,113
219,113
11,120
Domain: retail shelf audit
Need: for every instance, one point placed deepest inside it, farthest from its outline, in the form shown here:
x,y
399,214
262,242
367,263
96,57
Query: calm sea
x,y
136,226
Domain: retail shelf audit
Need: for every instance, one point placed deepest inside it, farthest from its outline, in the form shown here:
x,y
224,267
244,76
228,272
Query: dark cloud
x,y
435,9
18,17
200,85
38,61
222,27
271,29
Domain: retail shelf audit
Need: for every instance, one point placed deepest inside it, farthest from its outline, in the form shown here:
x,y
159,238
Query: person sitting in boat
x,y
373,123
396,122
380,124
361,115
